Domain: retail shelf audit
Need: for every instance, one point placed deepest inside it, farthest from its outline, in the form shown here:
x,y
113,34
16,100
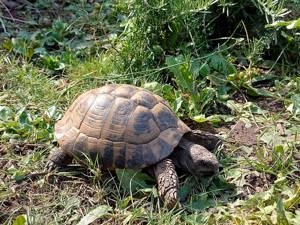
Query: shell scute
x,y
134,156
124,91
115,124
145,99
119,155
95,117
80,110
164,117
141,127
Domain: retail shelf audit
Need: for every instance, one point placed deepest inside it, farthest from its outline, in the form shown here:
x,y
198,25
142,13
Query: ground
x,y
257,184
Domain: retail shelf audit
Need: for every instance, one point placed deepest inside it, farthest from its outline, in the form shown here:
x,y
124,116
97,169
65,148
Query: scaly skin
x,y
205,139
58,159
194,158
167,181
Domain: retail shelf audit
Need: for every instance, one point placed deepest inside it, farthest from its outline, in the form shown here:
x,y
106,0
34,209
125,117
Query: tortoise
x,y
124,126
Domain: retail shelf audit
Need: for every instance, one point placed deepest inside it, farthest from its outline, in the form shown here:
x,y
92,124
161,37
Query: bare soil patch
x,y
242,134
256,183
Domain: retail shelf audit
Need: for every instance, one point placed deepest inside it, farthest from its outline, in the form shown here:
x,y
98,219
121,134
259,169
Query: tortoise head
x,y
195,159
200,161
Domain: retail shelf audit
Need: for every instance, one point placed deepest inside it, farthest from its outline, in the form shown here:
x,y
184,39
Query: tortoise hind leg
x,y
58,159
167,181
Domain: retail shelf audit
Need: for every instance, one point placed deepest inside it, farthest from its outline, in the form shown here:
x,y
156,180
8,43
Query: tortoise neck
x,y
203,138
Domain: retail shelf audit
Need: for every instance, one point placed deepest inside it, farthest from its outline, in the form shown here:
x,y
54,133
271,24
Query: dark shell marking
x,y
122,125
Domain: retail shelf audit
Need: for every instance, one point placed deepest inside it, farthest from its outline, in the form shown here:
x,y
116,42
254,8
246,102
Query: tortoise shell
x,y
123,125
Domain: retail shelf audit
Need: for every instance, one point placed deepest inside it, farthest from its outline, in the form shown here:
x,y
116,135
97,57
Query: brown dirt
x,y
28,192
256,183
270,104
239,133
243,135
273,106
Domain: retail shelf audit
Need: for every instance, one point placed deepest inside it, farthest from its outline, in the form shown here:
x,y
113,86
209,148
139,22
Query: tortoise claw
x,y
50,166
58,159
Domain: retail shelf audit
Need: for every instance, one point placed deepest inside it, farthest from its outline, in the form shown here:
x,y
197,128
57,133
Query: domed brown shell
x,y
123,125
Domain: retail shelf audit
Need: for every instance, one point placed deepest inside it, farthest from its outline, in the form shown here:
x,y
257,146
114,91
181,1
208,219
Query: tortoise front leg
x,y
167,181
58,159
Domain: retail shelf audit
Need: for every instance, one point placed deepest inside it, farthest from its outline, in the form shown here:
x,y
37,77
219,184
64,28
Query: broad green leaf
x,y
237,176
132,180
294,24
184,191
25,117
194,69
167,91
217,80
153,86
25,35
204,98
270,136
200,118
178,103
201,201
221,65
19,175
281,217
234,106
195,218
158,50
59,29
204,70
180,67
296,219
40,51
270,208
279,149
279,23
8,45
81,44
264,78
294,107
51,112
221,184
213,118
289,38
20,220
253,108
174,63
53,63
293,200
256,91
223,93
5,113
123,203
42,134
96,213
22,47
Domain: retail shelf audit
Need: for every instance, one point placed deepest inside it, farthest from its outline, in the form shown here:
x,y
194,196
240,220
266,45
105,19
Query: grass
x,y
253,106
